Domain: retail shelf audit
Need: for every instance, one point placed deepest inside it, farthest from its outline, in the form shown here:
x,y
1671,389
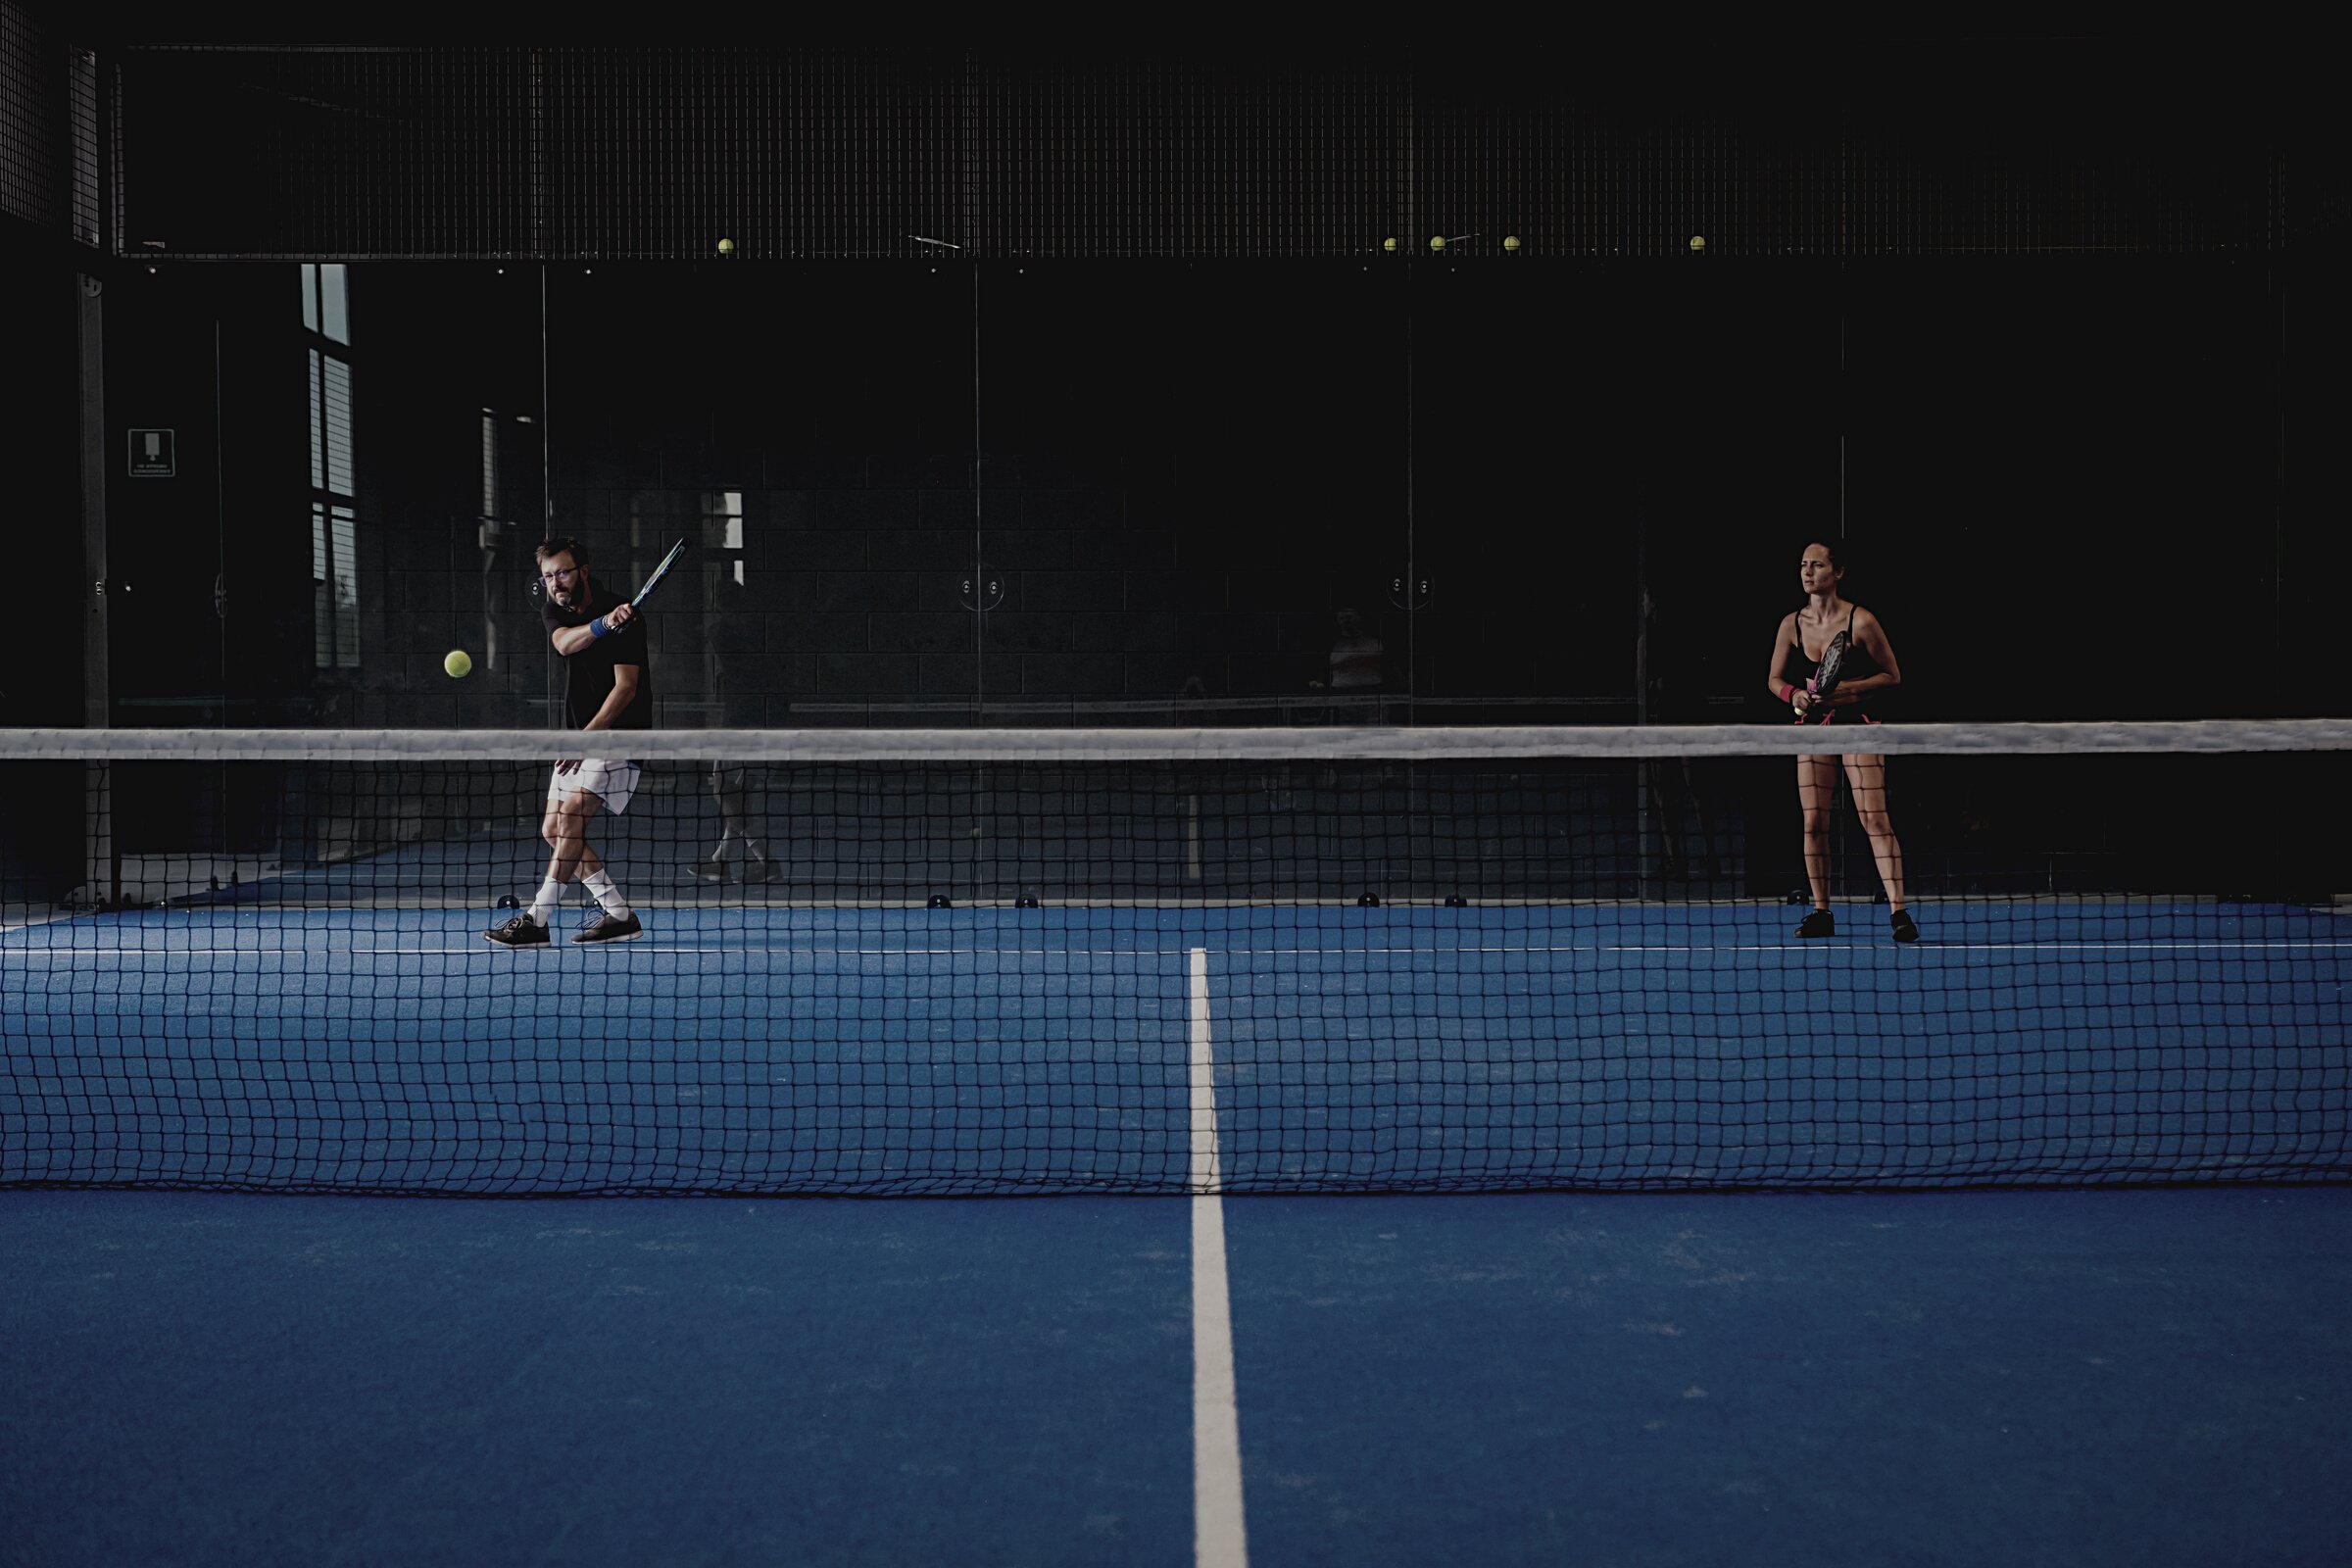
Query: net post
x,y
102,856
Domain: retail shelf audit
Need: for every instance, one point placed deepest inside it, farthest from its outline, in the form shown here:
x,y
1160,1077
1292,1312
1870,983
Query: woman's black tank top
x,y
1858,663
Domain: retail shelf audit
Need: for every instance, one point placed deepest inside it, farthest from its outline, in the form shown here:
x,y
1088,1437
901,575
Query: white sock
x,y
601,885
551,894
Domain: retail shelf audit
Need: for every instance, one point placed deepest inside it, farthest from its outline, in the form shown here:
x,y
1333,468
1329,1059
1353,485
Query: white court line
x,y
1218,1537
1794,946
1967,947
485,951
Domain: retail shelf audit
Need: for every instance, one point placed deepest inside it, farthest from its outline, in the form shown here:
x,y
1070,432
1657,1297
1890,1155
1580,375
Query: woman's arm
x,y
1776,675
1776,678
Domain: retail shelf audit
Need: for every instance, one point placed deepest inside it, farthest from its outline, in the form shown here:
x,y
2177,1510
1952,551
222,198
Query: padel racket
x,y
1825,678
663,571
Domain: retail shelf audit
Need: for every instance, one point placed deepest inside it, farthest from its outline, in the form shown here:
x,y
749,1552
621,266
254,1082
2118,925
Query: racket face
x,y
1825,677
660,572
1833,661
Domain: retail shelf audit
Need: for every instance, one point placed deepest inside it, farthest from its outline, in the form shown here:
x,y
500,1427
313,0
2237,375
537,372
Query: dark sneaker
x,y
1820,923
713,869
757,870
520,932
610,928
1904,930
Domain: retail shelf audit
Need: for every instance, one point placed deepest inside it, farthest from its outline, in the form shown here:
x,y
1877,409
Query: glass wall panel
x,y
1425,490
1194,496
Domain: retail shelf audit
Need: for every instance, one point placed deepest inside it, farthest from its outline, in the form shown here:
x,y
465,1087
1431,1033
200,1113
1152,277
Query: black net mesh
x,y
998,963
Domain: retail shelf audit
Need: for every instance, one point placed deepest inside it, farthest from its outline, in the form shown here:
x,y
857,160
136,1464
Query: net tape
x,y
1464,744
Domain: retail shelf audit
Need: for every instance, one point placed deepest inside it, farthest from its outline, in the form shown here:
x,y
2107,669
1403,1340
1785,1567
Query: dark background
x,y
2058,483
2040,332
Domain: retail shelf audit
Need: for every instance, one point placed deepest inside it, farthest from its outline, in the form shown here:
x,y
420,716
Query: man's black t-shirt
x,y
588,673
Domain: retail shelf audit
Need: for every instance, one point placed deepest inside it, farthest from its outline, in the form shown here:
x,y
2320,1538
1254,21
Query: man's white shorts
x,y
610,782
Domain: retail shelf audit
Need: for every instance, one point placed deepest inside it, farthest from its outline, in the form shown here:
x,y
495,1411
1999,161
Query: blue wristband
x,y
598,628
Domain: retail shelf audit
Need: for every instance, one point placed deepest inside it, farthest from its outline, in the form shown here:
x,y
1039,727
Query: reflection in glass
x,y
334,482
334,311
325,304
334,427
335,586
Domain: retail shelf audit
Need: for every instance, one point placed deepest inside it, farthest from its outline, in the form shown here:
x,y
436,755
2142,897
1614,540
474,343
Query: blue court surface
x,y
1317,1324
2123,1376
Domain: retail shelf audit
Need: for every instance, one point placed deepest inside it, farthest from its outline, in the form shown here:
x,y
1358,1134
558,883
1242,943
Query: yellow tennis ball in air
x,y
1389,244
1437,242
1510,242
459,663
726,247
1699,242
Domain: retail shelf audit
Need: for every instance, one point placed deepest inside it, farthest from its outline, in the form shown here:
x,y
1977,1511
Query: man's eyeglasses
x,y
561,574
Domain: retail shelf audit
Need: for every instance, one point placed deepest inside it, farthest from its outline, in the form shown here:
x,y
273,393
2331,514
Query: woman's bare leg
x,y
1866,775
1816,783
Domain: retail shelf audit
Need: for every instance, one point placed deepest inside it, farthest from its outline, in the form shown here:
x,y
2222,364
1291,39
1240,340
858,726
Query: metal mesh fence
x,y
1185,157
33,120
667,152
381,152
1536,164
83,105
790,152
